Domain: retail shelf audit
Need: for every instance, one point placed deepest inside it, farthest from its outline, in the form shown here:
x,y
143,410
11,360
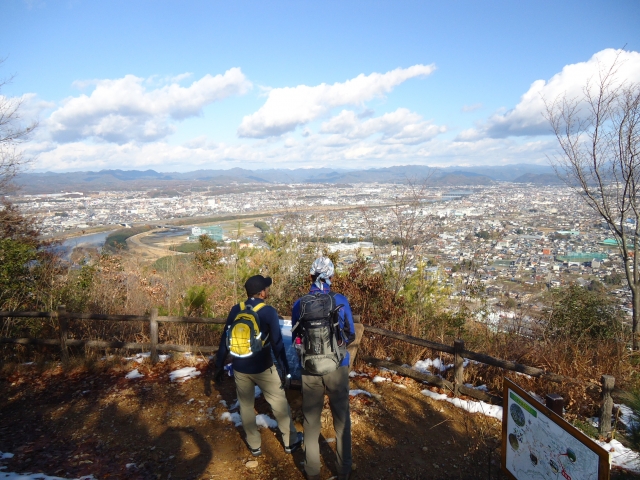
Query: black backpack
x,y
323,344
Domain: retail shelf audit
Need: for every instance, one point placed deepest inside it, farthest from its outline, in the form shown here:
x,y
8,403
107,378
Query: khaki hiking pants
x,y
336,386
270,384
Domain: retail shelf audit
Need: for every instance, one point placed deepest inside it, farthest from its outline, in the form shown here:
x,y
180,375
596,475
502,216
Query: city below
x,y
520,239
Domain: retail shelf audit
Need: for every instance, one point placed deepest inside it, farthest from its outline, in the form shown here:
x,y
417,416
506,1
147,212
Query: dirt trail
x,y
94,421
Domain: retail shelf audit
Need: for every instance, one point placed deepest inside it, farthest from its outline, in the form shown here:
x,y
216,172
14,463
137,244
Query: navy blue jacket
x,y
259,361
345,318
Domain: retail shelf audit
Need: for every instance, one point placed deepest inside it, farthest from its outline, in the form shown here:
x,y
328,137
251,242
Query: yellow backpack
x,y
243,335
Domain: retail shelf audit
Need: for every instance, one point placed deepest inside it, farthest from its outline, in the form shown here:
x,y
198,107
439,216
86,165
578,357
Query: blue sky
x,y
178,86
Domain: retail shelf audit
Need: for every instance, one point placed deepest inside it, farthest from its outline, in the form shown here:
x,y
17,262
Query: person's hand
x,y
218,376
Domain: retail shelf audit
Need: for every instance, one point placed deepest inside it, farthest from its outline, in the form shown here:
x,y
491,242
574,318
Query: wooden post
x,y
606,409
153,333
458,364
555,403
63,328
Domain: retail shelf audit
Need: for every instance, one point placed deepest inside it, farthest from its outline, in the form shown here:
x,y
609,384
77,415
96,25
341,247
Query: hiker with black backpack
x,y
251,333
322,327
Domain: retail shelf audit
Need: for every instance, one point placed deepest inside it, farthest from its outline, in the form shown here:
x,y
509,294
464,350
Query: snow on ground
x,y
262,420
353,393
468,405
183,374
133,374
232,417
425,366
379,379
5,455
627,417
621,456
140,357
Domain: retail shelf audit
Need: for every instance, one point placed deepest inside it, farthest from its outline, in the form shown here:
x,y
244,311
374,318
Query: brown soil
x,y
90,420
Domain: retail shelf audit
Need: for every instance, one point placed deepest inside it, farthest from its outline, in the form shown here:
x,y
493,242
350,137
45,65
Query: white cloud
x,y
123,109
401,126
527,116
287,108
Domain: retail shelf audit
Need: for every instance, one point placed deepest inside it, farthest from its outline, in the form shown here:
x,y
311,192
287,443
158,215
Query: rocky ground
x,y
91,420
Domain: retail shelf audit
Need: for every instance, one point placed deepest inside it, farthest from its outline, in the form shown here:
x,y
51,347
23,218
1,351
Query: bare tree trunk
x,y
635,302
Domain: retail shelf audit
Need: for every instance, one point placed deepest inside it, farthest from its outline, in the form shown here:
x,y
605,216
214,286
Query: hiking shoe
x,y
294,446
256,452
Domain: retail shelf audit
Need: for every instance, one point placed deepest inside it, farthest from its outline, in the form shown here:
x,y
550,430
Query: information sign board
x,y
538,444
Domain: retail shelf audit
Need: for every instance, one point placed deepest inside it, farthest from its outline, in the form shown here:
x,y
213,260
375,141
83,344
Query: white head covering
x,y
323,267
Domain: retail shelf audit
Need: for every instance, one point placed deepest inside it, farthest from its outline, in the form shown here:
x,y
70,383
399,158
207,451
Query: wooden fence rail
x,y
457,350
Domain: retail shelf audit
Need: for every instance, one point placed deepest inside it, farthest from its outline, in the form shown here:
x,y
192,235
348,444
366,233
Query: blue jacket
x,y
345,318
259,361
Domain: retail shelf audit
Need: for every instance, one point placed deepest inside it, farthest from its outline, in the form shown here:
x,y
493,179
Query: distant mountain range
x,y
50,182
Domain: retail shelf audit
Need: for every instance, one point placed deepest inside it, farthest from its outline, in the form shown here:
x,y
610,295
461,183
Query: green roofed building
x,y
214,232
580,257
612,242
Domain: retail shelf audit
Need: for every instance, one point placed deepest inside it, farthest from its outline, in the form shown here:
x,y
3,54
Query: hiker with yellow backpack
x,y
251,333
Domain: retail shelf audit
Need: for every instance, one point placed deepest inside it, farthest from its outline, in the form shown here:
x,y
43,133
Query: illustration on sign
x,y
538,444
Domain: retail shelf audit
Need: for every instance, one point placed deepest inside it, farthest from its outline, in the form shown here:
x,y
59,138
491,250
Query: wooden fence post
x,y
63,327
555,403
606,409
153,333
458,364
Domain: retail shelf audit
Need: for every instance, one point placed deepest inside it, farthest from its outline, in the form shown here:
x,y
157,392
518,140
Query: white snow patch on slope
x,y
133,374
183,374
379,379
621,456
353,393
471,406
262,420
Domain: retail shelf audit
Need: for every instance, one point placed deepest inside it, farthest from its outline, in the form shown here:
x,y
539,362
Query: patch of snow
x,y
232,417
133,374
400,385
468,405
330,440
223,403
265,421
621,456
379,379
190,401
183,374
262,421
627,417
130,465
258,392
482,388
5,455
235,405
353,393
424,366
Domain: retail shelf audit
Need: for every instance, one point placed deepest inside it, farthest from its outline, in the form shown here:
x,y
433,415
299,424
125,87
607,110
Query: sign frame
x,y
604,468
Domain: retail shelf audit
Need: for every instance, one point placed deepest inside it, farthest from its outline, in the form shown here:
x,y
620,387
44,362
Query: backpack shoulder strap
x,y
241,304
259,306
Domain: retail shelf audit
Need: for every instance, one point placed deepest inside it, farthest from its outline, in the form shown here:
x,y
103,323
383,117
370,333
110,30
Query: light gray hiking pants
x,y
336,386
270,384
